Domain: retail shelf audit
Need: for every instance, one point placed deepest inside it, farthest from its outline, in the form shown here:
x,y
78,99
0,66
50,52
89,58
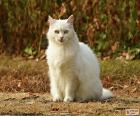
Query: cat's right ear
x,y
70,19
51,20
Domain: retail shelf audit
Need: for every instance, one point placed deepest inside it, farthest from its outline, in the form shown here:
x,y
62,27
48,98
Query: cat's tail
x,y
106,94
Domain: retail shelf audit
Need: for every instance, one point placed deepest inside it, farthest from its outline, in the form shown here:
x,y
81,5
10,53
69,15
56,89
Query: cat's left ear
x,y
70,19
51,20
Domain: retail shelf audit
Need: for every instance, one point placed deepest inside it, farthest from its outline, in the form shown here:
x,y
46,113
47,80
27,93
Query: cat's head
x,y
60,31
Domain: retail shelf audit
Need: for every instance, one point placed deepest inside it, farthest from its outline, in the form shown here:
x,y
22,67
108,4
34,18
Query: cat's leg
x,y
55,90
69,94
56,93
70,90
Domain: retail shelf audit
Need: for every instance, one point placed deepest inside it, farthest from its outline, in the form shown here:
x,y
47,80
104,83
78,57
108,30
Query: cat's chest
x,y
61,62
61,59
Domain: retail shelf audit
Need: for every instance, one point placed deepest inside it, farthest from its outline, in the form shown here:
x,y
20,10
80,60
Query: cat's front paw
x,y
57,99
68,99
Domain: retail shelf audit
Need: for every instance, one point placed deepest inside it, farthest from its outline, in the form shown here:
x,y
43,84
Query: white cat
x,y
73,68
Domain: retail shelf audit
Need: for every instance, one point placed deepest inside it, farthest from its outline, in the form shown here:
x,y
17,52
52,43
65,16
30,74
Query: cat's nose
x,y
61,39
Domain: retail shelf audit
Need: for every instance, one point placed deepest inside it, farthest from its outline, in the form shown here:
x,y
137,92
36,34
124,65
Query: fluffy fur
x,y
73,68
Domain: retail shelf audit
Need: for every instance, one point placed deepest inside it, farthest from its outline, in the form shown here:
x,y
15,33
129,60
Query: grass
x,y
32,75
125,69
24,89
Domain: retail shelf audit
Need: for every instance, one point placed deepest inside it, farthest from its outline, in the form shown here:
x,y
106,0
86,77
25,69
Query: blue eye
x,y
66,31
56,31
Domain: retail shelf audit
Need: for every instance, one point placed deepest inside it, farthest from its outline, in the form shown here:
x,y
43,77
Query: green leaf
x,y
104,18
30,51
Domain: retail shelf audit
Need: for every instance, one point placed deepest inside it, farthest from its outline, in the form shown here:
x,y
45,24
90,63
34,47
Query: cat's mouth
x,y
61,40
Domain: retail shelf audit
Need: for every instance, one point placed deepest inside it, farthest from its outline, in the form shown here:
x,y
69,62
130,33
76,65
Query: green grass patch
x,y
120,69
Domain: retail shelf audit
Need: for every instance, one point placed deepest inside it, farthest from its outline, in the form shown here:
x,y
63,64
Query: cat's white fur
x,y
74,70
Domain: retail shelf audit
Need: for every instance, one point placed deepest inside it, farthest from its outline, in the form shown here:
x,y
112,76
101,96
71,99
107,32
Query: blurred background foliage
x,y
110,27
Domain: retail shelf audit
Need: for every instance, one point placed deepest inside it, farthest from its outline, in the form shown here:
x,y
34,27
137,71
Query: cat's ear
x,y
51,20
70,19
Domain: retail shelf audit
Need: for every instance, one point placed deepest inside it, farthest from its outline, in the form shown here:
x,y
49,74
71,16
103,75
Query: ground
x,y
24,89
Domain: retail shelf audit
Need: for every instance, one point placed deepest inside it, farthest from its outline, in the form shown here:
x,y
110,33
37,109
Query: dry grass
x,y
18,74
24,89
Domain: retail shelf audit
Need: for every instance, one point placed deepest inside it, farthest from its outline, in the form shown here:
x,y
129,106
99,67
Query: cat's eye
x,y
66,31
56,31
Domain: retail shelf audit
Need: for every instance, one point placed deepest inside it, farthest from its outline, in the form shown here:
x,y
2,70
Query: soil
x,y
41,104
